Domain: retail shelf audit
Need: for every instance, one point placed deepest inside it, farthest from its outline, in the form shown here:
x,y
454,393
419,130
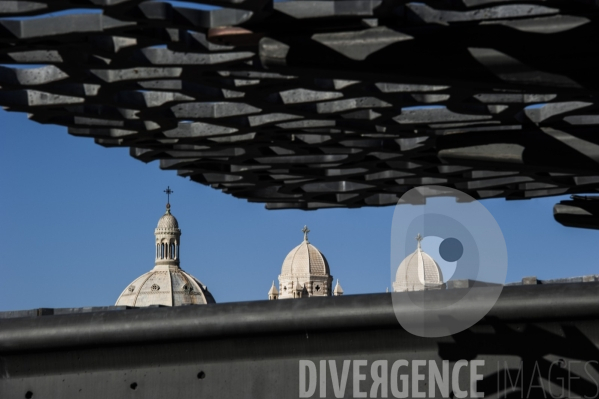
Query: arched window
x,y
162,251
157,251
172,251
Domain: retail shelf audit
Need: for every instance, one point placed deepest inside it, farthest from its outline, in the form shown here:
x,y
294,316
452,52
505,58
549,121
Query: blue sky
x,y
77,223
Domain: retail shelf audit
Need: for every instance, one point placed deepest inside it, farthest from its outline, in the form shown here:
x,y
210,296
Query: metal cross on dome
x,y
168,192
419,238
305,230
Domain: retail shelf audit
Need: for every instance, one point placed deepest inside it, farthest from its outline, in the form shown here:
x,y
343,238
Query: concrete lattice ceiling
x,y
315,104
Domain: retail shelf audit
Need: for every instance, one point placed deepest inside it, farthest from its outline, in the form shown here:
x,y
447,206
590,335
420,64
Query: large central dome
x,y
165,287
305,259
166,284
305,272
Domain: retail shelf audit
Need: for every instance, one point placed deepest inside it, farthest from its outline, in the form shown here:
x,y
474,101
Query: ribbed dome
x,y
305,259
165,287
418,271
168,221
305,272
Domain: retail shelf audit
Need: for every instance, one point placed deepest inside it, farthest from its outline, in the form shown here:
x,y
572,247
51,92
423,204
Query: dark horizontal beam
x,y
346,313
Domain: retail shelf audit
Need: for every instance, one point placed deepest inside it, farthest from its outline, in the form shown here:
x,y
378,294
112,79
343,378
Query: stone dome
x,y
417,272
167,221
305,272
172,287
305,259
166,284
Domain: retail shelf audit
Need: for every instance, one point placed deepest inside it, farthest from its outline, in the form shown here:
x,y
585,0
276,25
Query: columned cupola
x,y
168,240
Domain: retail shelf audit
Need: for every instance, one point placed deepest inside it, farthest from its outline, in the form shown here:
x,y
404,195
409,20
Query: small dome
x,y
165,287
305,259
418,271
167,221
305,272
